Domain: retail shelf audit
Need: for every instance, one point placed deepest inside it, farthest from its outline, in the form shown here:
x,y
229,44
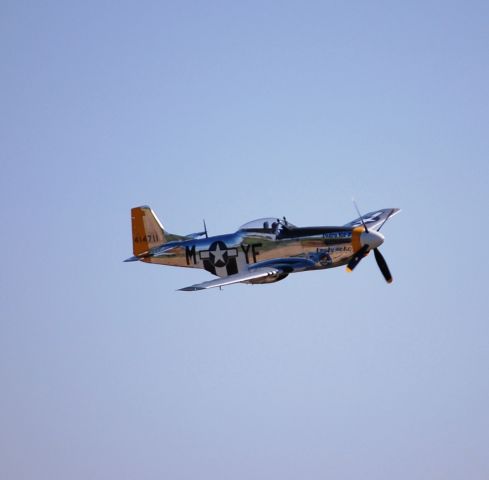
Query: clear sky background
x,y
230,111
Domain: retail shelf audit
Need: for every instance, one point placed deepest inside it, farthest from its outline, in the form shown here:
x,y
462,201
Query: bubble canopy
x,y
265,223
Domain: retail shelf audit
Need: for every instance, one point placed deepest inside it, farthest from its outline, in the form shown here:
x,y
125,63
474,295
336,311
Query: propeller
x,y
383,265
372,241
356,258
359,214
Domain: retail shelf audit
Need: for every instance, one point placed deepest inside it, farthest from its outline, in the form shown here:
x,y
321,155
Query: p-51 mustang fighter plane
x,y
262,251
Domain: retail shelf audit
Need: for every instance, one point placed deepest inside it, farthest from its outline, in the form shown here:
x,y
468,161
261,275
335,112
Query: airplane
x,y
265,250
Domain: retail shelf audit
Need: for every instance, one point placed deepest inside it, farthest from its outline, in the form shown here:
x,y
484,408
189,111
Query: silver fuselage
x,y
223,255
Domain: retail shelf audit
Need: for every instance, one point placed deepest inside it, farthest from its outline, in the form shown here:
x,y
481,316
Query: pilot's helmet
x,y
265,225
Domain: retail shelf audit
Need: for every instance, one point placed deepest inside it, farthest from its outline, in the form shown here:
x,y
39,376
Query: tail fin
x,y
147,231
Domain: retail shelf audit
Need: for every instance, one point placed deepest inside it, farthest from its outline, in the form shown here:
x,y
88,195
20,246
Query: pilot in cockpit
x,y
276,227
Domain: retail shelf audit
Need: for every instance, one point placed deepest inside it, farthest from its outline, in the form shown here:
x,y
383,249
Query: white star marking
x,y
218,254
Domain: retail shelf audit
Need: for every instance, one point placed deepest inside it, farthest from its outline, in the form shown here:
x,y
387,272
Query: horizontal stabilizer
x,y
132,259
192,236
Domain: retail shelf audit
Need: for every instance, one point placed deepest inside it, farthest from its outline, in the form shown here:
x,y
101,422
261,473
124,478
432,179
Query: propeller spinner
x,y
370,240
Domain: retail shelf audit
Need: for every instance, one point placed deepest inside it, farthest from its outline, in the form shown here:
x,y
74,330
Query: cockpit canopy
x,y
266,224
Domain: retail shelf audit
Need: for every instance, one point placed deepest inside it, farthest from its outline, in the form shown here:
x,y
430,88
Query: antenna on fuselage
x,y
205,229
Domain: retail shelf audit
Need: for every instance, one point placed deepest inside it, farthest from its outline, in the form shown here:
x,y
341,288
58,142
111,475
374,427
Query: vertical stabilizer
x,y
147,231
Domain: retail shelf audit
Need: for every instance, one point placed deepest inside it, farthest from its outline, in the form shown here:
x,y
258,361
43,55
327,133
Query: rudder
x,y
147,230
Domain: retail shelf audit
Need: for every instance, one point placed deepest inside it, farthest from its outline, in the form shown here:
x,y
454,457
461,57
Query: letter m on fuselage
x,y
190,254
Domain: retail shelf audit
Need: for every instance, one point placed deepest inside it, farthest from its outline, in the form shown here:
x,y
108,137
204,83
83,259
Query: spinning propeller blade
x,y
359,214
383,265
357,257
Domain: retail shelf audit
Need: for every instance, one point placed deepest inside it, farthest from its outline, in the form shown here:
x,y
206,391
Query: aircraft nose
x,y
372,239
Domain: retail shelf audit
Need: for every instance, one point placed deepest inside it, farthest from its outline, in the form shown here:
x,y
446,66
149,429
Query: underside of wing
x,y
374,220
237,278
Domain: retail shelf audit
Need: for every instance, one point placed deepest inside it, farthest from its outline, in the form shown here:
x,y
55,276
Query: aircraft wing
x,y
237,278
259,270
374,220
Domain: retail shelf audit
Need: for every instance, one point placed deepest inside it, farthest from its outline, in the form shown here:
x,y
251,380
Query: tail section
x,y
147,231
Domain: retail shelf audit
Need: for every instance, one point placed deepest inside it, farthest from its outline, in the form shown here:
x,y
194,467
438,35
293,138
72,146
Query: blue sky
x,y
230,111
